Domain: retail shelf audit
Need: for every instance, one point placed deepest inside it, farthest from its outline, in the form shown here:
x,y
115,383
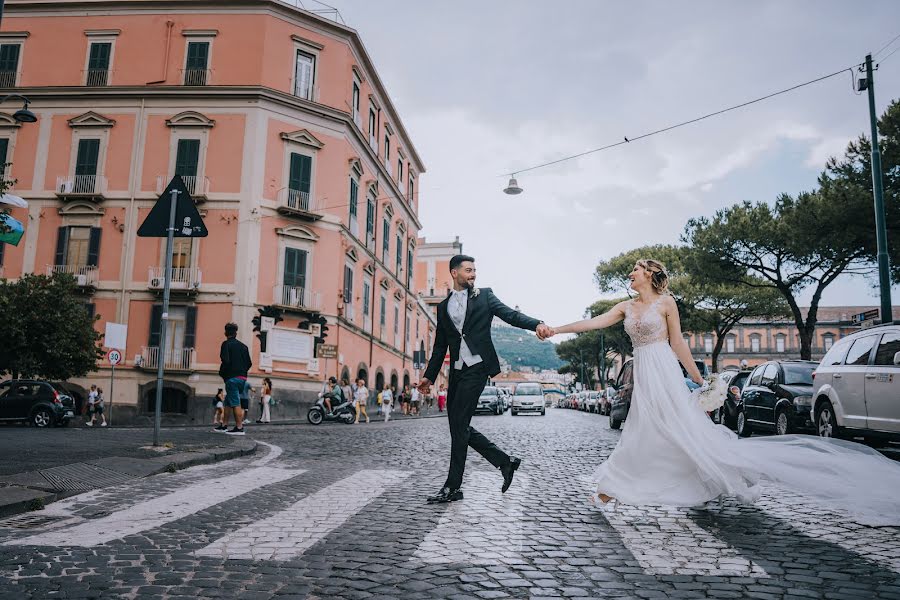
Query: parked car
x,y
39,403
727,414
857,386
621,402
505,398
490,401
605,400
777,396
528,397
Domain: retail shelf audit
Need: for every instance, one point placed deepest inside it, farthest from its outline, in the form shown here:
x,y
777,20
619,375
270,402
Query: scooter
x,y
344,413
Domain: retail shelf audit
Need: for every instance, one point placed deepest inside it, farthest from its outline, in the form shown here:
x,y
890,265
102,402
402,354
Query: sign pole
x,y
170,238
112,388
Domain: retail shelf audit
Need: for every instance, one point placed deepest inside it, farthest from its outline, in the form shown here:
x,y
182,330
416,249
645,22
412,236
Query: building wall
x,y
248,122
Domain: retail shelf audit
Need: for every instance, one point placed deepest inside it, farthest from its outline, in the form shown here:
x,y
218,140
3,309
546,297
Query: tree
x,y
615,340
580,351
799,242
46,330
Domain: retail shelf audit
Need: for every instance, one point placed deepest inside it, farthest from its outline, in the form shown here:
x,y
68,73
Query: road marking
x,y
159,511
292,531
486,528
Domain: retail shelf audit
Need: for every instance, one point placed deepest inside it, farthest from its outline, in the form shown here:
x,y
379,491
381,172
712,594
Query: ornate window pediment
x,y
91,119
398,294
7,120
372,189
369,267
190,118
385,283
351,254
303,137
298,232
401,226
81,209
356,166
388,210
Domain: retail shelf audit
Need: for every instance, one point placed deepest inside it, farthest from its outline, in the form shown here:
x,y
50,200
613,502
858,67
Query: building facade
x,y
289,145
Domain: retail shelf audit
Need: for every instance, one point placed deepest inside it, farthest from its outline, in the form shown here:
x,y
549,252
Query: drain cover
x,y
29,521
82,477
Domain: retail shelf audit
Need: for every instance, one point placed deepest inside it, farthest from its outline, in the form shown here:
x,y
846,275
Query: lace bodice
x,y
645,326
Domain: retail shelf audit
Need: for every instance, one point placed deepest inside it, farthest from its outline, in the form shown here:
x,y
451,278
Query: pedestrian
x,y
378,400
429,402
415,400
98,409
235,364
361,398
347,391
92,397
442,398
219,415
404,400
266,401
387,399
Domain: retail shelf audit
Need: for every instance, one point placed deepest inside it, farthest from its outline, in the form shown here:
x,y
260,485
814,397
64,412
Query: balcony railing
x,y
85,276
298,203
373,142
8,79
297,297
197,76
81,185
182,278
197,185
96,77
179,359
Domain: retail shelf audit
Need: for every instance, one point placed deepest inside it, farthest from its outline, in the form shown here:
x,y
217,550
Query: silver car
x,y
856,388
528,397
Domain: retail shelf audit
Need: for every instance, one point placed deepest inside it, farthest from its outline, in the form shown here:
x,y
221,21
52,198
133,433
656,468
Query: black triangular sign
x,y
188,222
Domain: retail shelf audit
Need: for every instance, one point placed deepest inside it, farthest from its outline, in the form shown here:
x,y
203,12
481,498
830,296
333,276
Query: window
x,y
77,247
836,355
354,201
411,190
400,171
383,316
385,241
798,374
9,64
196,67
396,319
4,156
756,376
299,181
860,350
407,331
373,124
779,343
181,333
355,101
827,341
887,348
387,149
348,284
770,374
707,343
367,291
370,221
754,343
86,164
729,343
409,267
304,71
187,160
181,253
399,252
98,64
295,269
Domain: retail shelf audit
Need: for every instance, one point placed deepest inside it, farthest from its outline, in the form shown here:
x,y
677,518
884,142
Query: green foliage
x,y
522,349
45,329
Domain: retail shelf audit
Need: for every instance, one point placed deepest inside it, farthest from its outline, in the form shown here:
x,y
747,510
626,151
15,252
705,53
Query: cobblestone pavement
x,y
338,511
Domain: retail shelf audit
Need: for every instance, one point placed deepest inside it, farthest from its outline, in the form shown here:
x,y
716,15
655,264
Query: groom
x,y
464,325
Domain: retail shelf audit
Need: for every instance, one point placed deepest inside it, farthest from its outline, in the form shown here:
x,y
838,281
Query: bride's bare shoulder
x,y
667,301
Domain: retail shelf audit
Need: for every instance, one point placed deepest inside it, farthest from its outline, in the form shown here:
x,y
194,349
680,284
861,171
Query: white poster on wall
x,y
290,345
116,335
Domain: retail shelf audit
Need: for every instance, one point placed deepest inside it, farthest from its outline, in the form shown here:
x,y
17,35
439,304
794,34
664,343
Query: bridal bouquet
x,y
711,395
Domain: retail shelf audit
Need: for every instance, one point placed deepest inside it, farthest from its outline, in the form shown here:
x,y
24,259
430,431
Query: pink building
x,y
282,130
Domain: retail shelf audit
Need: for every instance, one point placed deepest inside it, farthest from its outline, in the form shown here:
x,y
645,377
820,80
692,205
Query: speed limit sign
x,y
114,357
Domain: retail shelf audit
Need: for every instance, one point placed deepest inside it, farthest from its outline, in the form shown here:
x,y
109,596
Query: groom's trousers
x,y
466,386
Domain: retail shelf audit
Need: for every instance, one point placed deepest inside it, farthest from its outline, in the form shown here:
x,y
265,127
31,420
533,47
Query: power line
x,y
881,60
628,140
886,45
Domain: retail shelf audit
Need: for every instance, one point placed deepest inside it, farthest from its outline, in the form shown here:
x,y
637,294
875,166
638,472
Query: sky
x,y
488,88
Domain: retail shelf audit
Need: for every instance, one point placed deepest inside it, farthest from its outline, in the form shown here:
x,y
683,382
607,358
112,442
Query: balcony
x,y
181,359
297,298
85,277
197,186
297,204
196,77
8,79
183,279
81,187
96,77
373,143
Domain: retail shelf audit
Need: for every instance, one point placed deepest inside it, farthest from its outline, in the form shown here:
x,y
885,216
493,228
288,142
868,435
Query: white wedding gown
x,y
671,453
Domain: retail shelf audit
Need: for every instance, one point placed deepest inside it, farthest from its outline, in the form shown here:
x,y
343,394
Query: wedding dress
x,y
671,453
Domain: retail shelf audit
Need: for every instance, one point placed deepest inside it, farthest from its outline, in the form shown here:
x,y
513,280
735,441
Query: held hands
x,y
544,331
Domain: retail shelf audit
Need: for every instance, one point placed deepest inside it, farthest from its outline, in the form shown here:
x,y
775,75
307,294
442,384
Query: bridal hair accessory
x,y
659,278
711,395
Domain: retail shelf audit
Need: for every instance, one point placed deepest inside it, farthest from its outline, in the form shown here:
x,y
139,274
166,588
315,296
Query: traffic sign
x,y
114,357
326,351
866,316
188,222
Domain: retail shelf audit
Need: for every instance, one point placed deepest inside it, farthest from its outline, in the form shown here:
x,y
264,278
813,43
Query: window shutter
x,y
294,267
354,197
99,59
198,55
88,155
190,327
155,325
9,58
91,310
4,154
2,247
62,242
94,247
300,176
187,158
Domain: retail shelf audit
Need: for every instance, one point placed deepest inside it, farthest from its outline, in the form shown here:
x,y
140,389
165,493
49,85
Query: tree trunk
x,y
717,349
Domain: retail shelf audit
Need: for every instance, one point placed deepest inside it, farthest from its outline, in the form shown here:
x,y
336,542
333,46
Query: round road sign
x,y
114,357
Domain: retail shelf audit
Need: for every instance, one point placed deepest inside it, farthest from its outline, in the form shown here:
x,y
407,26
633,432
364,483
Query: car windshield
x,y
798,374
739,379
528,390
489,391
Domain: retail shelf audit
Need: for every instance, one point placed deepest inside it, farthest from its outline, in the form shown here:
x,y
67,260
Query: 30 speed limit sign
x,y
114,357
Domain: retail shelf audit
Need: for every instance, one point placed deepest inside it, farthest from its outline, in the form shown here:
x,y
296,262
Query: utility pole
x,y
581,360
884,265
164,322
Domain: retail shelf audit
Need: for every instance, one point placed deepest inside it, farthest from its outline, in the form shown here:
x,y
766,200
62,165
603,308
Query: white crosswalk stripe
x,y
290,532
485,528
153,513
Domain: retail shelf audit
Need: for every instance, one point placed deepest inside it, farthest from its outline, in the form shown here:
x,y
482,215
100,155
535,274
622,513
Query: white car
x,y
528,397
856,387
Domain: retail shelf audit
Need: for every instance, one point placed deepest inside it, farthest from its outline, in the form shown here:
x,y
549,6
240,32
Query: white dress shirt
x,y
456,308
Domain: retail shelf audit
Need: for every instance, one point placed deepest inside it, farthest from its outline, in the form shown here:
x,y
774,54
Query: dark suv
x,y
777,396
621,402
38,402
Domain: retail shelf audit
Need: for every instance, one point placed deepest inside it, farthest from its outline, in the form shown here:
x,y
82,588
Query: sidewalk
x,y
43,466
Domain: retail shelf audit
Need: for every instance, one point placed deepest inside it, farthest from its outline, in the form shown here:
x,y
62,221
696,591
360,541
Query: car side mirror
x,y
897,358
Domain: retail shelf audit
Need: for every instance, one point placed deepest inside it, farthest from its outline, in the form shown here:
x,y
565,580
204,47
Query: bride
x,y
671,453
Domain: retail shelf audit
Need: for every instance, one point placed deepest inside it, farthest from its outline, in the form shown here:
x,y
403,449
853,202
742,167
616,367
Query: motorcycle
x,y
344,413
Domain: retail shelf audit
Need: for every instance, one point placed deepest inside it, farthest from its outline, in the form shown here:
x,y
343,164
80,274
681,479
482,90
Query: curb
x,y
32,490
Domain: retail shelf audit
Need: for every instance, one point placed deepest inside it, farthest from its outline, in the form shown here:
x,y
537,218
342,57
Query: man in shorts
x,y
236,363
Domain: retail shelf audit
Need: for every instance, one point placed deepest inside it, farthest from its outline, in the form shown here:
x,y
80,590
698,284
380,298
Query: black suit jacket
x,y
480,311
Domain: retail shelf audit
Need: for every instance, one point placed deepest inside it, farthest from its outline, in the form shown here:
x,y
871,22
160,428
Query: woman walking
x,y
266,401
442,398
219,415
404,400
361,399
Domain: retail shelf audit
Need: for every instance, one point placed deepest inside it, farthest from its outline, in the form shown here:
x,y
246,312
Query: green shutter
x,y
354,198
300,177
197,55
99,58
4,155
88,155
9,58
187,158
295,268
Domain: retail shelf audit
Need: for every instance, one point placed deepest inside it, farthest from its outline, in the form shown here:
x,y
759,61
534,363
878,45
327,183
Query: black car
x,y
37,402
727,414
621,402
490,401
777,396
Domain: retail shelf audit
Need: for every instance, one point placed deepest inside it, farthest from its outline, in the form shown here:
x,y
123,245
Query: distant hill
x,y
522,349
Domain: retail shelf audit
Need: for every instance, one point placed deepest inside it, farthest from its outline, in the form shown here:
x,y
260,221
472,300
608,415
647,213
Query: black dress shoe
x,y
446,495
508,471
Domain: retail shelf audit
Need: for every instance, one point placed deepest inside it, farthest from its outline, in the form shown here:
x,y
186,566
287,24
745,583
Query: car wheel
x,y
614,423
42,418
826,423
515,413
543,412
743,427
782,423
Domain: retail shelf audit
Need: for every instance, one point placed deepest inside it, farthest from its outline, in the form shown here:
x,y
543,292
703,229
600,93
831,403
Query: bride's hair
x,y
659,278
